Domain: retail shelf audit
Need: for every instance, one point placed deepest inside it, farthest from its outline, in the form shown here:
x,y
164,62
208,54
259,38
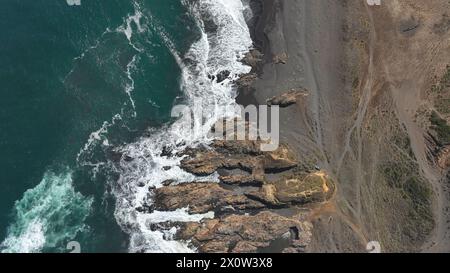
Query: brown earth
x,y
369,70
361,159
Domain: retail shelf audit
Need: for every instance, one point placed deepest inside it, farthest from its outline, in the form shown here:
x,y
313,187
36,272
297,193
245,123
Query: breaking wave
x,y
47,215
224,40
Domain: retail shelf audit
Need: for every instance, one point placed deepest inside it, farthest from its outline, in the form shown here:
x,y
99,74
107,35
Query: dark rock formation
x,y
253,58
241,155
295,190
245,233
289,98
281,58
247,80
243,180
223,75
202,198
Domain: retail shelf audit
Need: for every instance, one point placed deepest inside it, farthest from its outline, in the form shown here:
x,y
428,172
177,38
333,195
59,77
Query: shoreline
x,y
310,35
328,178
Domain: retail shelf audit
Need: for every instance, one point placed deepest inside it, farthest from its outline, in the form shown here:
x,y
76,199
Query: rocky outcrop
x,y
295,190
245,233
254,184
247,80
253,58
281,58
244,155
202,198
289,98
243,180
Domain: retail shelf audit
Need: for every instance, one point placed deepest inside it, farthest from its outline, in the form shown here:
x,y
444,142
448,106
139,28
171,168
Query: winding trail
x,y
360,115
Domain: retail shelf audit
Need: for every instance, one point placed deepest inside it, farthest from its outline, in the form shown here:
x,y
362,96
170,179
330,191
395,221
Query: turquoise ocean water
x,y
66,72
86,93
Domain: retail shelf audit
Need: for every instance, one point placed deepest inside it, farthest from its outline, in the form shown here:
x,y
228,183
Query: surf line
x,y
188,263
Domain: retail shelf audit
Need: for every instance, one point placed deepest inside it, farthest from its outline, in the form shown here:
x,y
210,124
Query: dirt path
x,y
360,115
407,97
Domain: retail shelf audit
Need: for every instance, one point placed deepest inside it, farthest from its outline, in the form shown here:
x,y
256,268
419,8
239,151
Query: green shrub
x,y
441,128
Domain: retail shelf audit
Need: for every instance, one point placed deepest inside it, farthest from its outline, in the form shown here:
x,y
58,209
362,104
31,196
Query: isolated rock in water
x,y
223,75
289,98
202,198
245,233
280,58
296,190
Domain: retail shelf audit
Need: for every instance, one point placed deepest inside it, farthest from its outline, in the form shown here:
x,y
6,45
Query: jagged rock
x,y
168,182
279,160
207,162
253,58
146,208
204,163
166,151
245,233
267,195
238,147
280,58
247,80
289,98
202,198
223,75
242,180
161,226
315,187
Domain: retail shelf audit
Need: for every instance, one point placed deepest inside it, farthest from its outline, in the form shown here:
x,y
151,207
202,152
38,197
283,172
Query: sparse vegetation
x,y
404,143
415,191
440,126
441,91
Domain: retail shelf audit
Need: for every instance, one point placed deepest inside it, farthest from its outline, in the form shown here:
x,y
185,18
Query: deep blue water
x,y
67,72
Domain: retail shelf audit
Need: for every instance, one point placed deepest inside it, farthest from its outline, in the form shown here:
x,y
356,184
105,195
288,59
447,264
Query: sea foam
x,y
225,38
47,215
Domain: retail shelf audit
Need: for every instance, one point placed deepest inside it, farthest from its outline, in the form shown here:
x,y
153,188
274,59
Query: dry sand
x,y
366,78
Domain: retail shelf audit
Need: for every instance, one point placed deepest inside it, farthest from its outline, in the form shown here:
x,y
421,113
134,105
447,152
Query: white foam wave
x,y
216,51
99,136
127,27
32,240
47,215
